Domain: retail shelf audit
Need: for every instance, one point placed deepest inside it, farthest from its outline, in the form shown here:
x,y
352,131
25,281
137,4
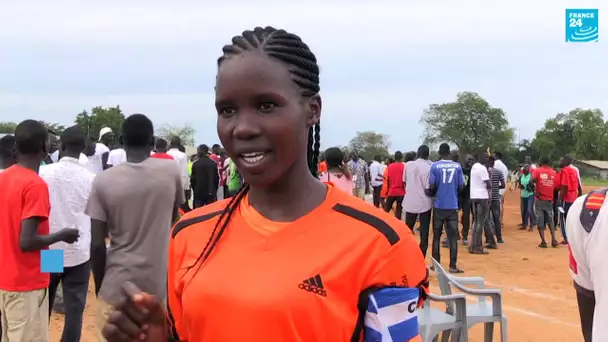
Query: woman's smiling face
x,y
263,120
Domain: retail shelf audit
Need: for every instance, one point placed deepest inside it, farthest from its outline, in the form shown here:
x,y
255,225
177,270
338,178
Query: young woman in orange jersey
x,y
288,258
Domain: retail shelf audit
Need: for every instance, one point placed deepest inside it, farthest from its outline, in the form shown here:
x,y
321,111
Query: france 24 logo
x,y
582,25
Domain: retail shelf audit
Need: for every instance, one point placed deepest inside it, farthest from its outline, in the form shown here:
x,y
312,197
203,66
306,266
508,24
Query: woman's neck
x,y
292,197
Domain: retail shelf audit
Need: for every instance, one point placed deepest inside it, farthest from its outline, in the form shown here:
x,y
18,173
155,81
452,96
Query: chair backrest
x,y
444,283
445,280
442,278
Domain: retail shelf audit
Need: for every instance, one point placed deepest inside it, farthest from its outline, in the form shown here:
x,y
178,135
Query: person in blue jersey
x,y
446,180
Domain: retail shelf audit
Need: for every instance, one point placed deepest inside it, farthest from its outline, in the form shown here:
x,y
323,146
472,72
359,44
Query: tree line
x,y
98,117
470,124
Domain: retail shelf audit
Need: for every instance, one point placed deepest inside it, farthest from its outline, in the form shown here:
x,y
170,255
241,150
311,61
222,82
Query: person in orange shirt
x,y
288,258
322,164
384,190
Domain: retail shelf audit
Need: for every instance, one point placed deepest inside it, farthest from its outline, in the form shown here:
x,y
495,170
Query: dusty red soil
x,y
538,296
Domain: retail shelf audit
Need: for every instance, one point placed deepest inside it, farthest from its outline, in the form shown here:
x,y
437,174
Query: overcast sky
x,y
382,62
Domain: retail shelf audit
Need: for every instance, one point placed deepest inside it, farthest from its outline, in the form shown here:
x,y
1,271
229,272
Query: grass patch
x,y
595,182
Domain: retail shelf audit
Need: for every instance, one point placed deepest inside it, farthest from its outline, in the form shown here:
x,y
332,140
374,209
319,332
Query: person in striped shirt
x,y
498,183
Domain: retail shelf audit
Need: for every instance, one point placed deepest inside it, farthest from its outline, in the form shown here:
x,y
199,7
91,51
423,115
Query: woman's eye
x,y
227,111
266,106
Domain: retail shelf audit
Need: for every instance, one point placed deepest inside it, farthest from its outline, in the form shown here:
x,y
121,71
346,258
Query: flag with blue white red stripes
x,y
392,315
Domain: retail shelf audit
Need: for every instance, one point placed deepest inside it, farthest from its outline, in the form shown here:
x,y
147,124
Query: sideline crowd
x,y
84,184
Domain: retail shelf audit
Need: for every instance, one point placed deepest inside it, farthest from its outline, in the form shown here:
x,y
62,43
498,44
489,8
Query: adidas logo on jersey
x,y
314,285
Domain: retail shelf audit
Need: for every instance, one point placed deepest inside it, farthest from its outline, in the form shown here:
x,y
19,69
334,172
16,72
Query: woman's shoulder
x,y
351,213
202,217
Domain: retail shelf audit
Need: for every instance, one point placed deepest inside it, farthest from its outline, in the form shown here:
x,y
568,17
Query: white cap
x,y
104,131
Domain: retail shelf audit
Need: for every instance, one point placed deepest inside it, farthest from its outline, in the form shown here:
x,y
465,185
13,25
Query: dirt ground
x,y
538,296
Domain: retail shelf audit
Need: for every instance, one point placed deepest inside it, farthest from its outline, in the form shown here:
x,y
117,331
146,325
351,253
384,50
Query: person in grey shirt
x,y
136,202
416,204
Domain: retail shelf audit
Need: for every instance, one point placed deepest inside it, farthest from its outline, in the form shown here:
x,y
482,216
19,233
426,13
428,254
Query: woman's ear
x,y
314,106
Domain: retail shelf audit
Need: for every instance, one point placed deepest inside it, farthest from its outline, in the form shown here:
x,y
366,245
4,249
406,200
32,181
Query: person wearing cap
x,y
99,160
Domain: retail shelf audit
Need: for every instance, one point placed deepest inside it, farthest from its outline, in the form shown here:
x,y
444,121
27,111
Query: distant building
x,y
593,168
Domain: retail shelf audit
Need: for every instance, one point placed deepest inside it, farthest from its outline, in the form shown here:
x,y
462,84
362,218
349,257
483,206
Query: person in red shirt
x,y
219,156
568,190
543,178
24,218
396,185
161,150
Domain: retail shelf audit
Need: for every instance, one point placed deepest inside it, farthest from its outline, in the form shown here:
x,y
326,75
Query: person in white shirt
x,y
182,161
499,165
70,184
98,161
587,231
480,201
376,176
416,204
117,156
82,159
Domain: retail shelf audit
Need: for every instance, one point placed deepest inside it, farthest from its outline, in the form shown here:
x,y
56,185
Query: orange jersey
x,y
384,190
295,281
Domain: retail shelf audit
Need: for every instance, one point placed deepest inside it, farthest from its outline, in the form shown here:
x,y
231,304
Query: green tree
x,y
580,132
186,133
370,144
470,123
53,127
7,127
98,118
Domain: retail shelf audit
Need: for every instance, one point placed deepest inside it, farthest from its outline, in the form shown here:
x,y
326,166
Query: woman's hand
x,y
140,317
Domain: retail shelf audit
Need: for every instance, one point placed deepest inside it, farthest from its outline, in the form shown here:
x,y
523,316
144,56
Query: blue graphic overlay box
x,y
51,261
582,25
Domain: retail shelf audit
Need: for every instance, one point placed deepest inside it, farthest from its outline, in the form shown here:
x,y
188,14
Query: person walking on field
x,y
527,198
445,182
70,185
396,186
568,190
136,202
494,230
204,179
465,198
360,174
160,146
24,218
480,202
544,183
498,164
384,190
375,176
416,204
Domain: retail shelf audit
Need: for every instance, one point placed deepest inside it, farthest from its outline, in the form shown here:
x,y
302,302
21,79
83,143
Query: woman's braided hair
x,y
289,49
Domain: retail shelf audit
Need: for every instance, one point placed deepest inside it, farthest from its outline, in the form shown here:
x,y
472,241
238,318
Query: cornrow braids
x,y
224,219
289,49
